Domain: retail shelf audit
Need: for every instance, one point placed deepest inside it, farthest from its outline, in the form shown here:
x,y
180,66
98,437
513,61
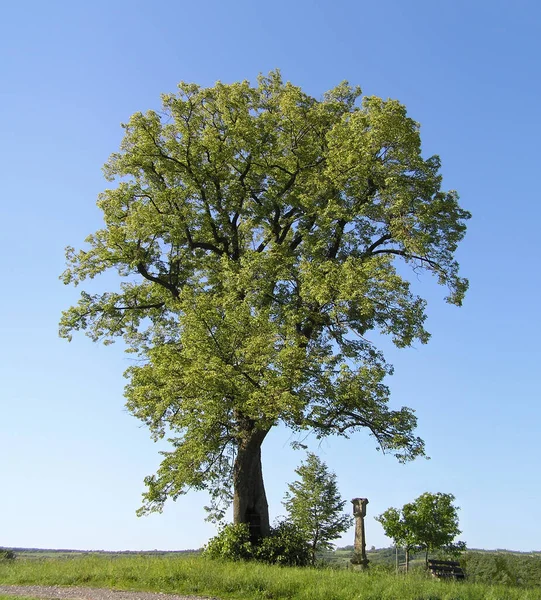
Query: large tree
x,y
255,231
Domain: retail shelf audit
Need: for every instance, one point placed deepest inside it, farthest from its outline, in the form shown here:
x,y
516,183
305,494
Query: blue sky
x,y
73,460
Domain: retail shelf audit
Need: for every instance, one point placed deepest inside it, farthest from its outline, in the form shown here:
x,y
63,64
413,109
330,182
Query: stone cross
x,y
359,512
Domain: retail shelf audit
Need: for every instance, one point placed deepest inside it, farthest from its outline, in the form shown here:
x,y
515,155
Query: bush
x,y
7,554
506,568
231,543
284,546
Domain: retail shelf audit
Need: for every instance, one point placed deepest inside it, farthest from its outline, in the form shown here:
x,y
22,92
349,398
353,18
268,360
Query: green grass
x,y
17,598
244,581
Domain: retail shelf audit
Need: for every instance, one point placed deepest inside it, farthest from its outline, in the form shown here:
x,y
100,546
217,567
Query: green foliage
x,y
284,546
314,505
507,568
231,543
6,554
397,528
429,523
256,233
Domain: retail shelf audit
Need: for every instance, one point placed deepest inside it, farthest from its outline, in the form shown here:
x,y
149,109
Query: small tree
x,y
428,523
315,506
399,529
435,521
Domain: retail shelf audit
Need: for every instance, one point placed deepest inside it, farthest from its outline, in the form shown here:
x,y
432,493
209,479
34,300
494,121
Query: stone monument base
x,y
359,563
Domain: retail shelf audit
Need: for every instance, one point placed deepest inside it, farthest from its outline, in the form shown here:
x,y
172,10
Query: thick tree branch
x,y
141,306
436,266
298,237
202,245
335,246
142,270
382,240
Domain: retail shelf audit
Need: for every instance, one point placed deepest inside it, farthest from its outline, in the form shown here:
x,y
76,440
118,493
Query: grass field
x,y
243,581
17,598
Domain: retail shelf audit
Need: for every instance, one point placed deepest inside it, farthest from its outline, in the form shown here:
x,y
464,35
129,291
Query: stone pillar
x,y
359,512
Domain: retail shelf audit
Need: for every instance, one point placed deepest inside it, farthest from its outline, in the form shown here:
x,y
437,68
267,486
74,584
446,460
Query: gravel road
x,y
82,593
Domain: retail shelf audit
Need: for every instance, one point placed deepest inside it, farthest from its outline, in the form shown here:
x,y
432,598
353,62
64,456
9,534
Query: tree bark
x,y
249,499
313,553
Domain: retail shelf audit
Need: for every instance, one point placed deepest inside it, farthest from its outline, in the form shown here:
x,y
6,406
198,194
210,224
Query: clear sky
x,y
72,459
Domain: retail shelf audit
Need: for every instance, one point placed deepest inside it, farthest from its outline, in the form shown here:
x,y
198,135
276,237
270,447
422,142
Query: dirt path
x,y
82,593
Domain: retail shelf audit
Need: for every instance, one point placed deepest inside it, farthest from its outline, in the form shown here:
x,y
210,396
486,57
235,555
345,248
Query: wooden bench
x,y
446,569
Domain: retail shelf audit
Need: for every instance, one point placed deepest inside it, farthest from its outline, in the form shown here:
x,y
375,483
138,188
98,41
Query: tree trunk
x,y
407,560
249,498
313,553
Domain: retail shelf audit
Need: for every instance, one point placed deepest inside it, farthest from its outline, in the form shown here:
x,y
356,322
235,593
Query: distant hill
x,y
30,553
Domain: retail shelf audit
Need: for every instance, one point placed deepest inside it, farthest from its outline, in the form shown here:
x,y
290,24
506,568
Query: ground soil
x,y
82,593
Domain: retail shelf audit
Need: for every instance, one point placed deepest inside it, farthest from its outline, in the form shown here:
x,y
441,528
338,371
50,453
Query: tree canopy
x,y
428,523
255,231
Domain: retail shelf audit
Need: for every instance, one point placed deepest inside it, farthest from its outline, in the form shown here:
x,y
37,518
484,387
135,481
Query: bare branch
x,y
408,256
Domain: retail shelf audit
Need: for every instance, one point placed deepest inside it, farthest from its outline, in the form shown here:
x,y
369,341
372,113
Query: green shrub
x,y
285,546
231,543
506,568
7,554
